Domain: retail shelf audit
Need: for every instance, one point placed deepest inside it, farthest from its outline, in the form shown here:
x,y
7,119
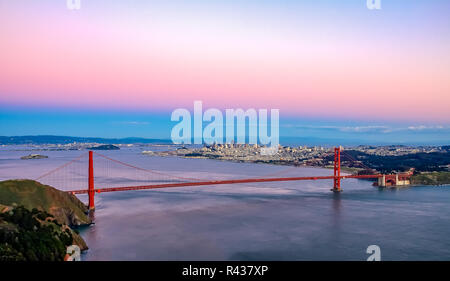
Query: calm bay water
x,y
263,221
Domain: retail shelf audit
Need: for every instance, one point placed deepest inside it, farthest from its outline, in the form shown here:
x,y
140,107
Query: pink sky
x,y
367,67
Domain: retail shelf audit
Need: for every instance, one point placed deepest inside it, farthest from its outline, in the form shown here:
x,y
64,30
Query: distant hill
x,y
49,139
431,178
104,147
422,161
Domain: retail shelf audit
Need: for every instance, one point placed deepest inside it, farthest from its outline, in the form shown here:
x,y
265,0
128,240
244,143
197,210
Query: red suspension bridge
x,y
154,179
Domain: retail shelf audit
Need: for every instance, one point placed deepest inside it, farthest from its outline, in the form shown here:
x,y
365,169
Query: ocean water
x,y
263,221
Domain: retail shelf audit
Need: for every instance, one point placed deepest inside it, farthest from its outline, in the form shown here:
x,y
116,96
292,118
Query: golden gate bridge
x,y
68,175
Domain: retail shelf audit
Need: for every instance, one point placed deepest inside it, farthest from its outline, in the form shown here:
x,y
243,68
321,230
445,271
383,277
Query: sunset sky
x,y
333,68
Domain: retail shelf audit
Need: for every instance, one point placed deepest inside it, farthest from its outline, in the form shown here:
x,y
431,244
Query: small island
x,y
33,156
104,147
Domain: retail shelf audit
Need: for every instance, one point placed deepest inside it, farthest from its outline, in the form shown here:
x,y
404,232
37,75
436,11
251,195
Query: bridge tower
x,y
337,170
91,191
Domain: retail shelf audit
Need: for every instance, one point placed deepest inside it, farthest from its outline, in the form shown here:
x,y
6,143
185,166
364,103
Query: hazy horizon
x,y
289,141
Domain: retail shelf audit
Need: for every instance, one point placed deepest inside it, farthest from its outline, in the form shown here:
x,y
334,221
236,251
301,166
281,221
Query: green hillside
x,y
35,220
33,235
431,178
65,207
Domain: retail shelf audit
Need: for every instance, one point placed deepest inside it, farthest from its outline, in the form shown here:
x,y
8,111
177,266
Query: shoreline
x,y
349,170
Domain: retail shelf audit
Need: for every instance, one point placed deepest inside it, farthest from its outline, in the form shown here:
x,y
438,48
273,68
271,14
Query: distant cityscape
x,y
386,159
381,158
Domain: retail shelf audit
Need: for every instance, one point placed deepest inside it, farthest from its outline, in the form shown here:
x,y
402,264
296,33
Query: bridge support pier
x,y
337,170
91,191
382,181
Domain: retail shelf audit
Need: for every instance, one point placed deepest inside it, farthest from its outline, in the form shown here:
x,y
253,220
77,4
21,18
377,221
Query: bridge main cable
x,y
61,167
145,170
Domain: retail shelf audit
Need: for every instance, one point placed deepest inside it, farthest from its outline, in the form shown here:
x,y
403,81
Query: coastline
x,y
435,178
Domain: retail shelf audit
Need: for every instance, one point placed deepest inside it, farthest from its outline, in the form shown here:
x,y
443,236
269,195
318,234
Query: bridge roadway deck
x,y
216,182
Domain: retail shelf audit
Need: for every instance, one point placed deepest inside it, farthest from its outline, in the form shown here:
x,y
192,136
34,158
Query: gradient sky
x,y
118,68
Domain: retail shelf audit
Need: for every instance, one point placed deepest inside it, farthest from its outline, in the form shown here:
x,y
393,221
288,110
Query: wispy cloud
x,y
135,123
363,129
369,128
423,127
